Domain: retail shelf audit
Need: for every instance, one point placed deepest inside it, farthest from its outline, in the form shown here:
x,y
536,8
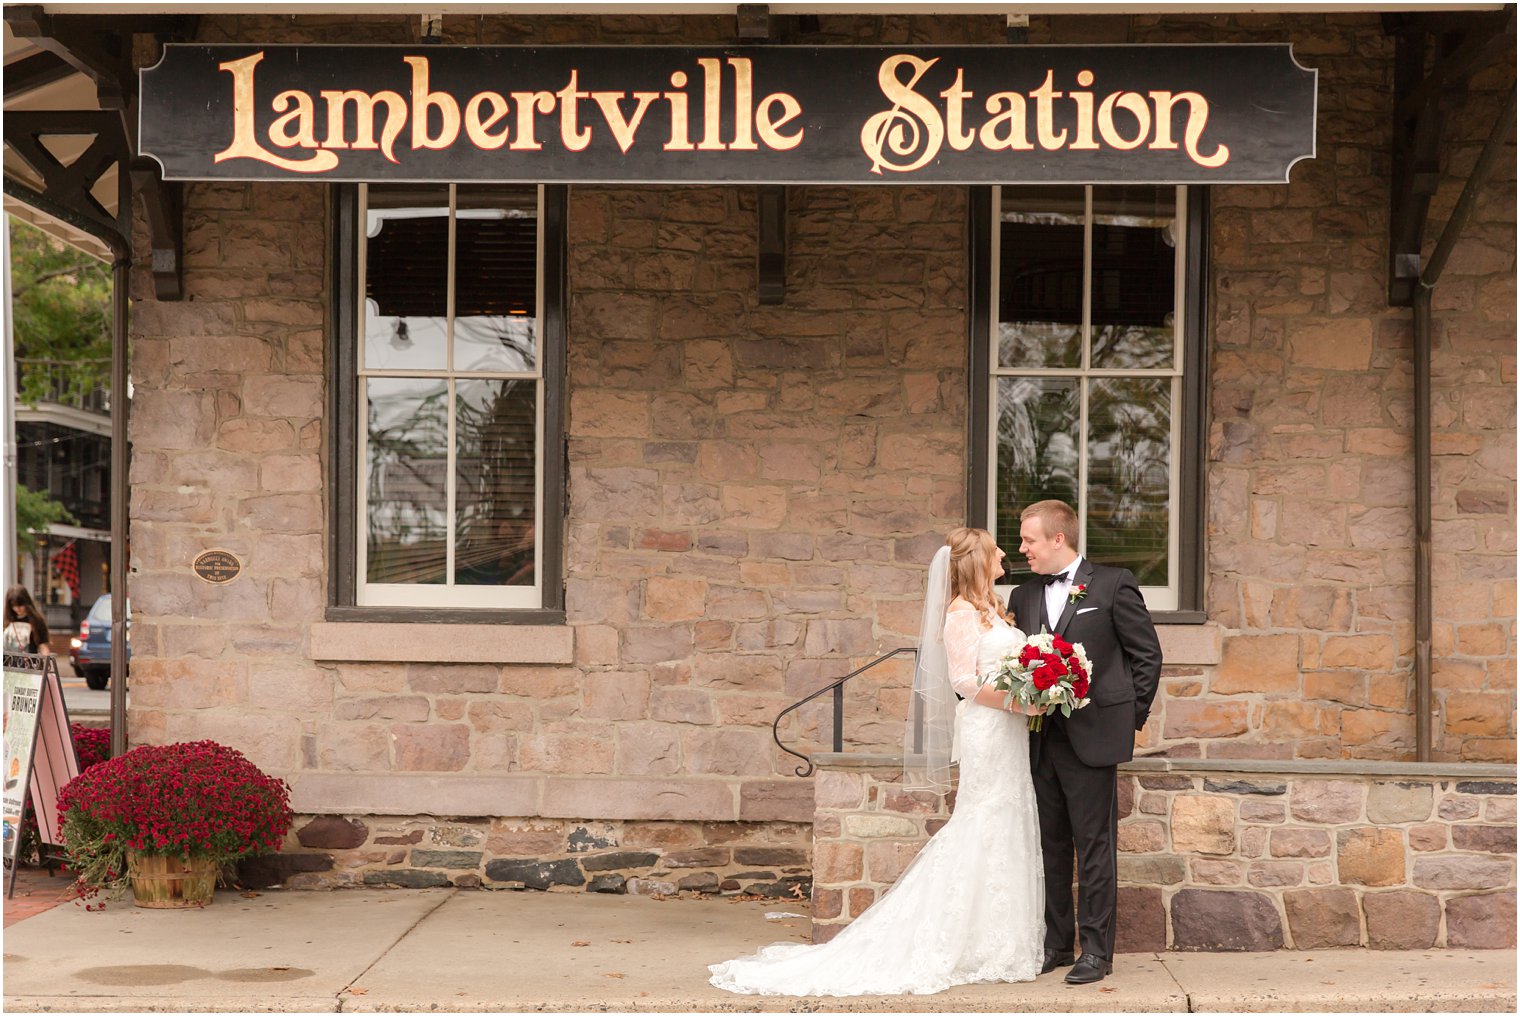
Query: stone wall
x,y
643,858
1391,857
754,490
1310,471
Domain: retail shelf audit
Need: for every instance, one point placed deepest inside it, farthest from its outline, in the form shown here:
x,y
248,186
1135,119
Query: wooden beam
x,y
36,71
1479,45
69,186
771,259
163,207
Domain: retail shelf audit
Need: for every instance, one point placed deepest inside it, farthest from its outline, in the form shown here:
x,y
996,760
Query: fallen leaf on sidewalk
x,y
623,941
615,974
579,942
358,991
1491,986
249,896
1105,990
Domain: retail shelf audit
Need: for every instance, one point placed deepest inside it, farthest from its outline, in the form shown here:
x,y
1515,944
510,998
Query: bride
x,y
970,907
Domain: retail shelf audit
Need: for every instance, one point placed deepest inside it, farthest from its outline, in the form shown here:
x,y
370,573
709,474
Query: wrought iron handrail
x,y
837,687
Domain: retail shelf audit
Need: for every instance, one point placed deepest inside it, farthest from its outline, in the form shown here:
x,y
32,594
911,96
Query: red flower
x,y
198,798
1045,678
1062,646
1079,687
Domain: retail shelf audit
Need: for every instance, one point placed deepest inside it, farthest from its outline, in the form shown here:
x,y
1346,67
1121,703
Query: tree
x,y
61,303
35,513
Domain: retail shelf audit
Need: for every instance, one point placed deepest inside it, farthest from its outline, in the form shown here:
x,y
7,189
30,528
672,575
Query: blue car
x,y
94,659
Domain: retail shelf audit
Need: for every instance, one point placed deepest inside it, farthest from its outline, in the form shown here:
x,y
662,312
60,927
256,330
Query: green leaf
x,y
61,304
35,514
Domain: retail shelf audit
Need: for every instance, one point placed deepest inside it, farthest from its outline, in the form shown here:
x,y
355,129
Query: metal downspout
x,y
120,528
1423,601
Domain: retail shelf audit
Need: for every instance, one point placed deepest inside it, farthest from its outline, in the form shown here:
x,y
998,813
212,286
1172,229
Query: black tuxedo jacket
x,y
1113,625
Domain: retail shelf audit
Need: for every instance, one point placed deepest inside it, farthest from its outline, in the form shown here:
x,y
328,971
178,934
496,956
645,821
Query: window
x,y
450,360
1089,360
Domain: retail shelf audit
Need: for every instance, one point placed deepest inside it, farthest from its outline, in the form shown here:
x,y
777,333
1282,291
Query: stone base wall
x,y
644,858
866,829
1244,860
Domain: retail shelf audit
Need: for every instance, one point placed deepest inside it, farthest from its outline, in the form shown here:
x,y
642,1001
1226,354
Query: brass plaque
x,y
217,566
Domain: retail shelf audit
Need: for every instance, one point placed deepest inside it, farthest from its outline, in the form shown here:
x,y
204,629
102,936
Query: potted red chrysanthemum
x,y
165,819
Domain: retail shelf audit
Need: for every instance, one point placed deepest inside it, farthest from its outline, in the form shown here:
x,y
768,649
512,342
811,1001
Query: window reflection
x,y
406,278
1134,277
1129,458
407,480
496,482
496,279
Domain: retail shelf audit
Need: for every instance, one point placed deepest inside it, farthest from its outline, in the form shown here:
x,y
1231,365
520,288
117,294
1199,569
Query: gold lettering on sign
x,y
365,105
244,144
680,131
1010,115
304,117
527,102
908,136
423,100
1198,118
572,136
478,129
1134,104
623,130
911,125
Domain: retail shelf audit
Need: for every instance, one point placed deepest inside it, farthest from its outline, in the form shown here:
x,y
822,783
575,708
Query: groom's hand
x,y
1141,715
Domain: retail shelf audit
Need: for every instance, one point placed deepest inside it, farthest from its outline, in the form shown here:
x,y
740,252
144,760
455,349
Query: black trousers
x,y
1079,811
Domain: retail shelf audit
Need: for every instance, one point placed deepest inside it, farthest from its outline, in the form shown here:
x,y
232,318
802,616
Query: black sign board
x,y
762,114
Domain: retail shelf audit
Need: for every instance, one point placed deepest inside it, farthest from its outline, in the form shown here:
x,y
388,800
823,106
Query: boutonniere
x,y
1077,592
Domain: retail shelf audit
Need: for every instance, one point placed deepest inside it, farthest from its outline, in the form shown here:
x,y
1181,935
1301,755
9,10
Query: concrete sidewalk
x,y
454,950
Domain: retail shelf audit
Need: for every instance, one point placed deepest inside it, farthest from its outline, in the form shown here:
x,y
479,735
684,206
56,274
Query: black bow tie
x,y
1057,577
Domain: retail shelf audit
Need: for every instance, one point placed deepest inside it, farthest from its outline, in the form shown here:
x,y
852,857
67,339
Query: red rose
x,y
1079,687
1045,678
1027,655
1062,646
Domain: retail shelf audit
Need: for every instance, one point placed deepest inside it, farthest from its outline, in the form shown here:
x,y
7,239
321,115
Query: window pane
x,y
406,485
495,489
1040,277
1129,456
406,278
1037,426
496,278
1134,283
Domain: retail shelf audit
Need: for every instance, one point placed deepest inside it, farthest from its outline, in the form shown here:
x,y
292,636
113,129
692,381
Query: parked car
x,y
75,641
95,643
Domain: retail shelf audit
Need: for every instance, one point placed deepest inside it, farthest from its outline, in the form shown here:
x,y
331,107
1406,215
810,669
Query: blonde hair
x,y
1056,517
972,552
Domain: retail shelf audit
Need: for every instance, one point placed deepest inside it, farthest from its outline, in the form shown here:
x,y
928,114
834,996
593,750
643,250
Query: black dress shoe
x,y
1089,969
1055,959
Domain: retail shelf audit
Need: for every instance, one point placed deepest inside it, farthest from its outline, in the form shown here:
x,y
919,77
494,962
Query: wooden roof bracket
x,y
100,47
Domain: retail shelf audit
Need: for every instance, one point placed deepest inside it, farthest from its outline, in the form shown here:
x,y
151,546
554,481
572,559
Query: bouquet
x,y
1048,671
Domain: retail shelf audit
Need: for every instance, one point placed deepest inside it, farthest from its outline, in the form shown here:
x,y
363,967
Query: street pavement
x,y
452,950
84,705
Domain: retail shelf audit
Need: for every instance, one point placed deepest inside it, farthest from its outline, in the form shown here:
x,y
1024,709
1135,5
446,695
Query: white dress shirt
x,y
1057,592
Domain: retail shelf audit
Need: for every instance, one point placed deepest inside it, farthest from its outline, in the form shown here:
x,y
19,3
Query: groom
x,y
1074,760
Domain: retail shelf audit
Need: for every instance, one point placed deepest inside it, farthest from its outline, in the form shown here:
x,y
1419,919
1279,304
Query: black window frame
x,y
1192,455
342,400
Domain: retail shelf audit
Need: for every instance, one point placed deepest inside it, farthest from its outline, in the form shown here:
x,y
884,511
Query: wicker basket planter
x,y
164,882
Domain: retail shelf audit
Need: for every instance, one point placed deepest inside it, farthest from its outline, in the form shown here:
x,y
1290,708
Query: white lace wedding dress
x,y
970,907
